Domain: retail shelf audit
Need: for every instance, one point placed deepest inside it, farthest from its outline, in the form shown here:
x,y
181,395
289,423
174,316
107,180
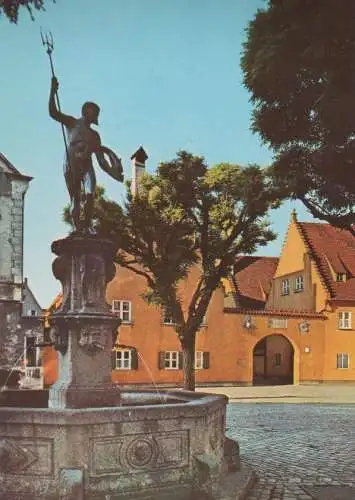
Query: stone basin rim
x,y
197,404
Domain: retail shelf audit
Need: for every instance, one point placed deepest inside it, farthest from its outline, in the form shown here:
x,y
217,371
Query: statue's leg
x,y
74,189
90,187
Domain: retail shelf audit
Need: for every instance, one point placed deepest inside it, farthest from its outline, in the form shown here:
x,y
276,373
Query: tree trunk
x,y
188,358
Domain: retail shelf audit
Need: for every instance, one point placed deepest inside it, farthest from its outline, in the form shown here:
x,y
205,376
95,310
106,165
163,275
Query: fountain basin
x,y
169,445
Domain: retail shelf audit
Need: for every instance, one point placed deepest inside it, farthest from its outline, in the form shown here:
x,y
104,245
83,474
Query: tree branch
x,y
139,272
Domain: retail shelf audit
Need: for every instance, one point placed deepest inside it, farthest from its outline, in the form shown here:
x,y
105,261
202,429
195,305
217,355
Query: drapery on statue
x,y
79,171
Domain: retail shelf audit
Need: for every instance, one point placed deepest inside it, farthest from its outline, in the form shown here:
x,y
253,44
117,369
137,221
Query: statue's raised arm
x,y
68,121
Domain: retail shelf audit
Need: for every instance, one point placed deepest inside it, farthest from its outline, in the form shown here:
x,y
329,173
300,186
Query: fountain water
x,y
94,441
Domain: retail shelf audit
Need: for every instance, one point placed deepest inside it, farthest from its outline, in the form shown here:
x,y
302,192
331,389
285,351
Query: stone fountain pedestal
x,y
83,329
93,442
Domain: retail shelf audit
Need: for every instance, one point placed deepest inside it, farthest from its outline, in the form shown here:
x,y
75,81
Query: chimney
x,y
294,216
138,168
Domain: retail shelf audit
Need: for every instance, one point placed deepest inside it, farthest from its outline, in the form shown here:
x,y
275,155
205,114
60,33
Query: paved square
x,y
297,449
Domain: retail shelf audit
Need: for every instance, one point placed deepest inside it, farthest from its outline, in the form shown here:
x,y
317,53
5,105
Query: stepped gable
x,y
333,250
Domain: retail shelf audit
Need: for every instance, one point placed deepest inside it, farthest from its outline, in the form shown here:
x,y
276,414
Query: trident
x,y
47,41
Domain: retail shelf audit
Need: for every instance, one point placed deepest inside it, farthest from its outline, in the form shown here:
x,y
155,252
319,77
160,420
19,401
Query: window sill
x,y
284,293
298,291
166,368
341,329
126,322
123,369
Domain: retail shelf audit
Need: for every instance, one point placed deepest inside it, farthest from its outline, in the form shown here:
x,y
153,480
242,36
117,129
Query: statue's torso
x,y
82,141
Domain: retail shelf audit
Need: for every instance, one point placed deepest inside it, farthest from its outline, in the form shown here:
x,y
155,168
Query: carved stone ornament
x,y
91,339
304,327
141,452
249,323
14,458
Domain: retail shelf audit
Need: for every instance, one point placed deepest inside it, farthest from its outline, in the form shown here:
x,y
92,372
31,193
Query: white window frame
x,y
199,360
341,277
124,359
124,310
342,357
344,320
299,283
285,287
171,359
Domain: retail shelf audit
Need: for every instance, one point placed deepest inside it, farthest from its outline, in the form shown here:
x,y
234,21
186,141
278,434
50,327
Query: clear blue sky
x,y
166,75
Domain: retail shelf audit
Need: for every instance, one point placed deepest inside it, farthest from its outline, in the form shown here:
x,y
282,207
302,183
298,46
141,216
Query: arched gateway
x,y
273,361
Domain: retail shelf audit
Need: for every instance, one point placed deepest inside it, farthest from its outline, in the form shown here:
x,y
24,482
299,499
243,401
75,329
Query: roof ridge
x,y
9,164
322,275
235,289
13,170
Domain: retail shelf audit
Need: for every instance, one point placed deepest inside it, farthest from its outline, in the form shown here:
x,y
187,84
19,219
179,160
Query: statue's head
x,y
90,112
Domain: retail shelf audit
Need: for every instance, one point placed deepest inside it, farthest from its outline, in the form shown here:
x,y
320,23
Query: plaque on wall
x,y
277,323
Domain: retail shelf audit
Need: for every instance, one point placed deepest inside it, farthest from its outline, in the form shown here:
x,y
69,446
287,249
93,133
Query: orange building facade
x,y
274,320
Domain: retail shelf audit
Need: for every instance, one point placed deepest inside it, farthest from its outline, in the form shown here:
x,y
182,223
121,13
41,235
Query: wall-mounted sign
x,y
277,323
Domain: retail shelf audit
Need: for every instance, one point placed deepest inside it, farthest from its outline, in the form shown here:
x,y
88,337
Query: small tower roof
x,y
11,170
140,155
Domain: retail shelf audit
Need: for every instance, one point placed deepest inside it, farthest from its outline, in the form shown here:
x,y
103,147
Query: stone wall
x,y
11,334
11,236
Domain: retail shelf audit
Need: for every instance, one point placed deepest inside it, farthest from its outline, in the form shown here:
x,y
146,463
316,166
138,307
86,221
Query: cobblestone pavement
x,y
297,450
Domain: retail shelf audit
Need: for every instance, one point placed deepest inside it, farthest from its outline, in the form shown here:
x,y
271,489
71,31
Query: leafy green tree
x,y
299,65
186,215
10,8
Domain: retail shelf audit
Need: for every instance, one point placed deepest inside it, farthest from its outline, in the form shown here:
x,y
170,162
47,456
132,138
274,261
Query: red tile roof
x,y
252,279
332,249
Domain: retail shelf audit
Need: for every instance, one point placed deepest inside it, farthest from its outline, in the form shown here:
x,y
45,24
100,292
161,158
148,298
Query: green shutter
x,y
206,360
134,363
161,360
181,362
113,360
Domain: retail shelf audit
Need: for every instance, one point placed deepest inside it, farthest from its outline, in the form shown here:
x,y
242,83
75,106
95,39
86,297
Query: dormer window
x,y
341,277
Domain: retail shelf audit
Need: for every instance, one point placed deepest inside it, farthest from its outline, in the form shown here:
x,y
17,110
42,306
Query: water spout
x,y
151,376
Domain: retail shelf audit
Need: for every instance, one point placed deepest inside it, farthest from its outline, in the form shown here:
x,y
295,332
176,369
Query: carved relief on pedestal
x,y
142,452
139,452
92,338
14,458
26,456
92,281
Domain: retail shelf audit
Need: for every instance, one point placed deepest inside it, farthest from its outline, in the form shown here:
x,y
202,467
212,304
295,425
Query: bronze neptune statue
x,y
82,142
